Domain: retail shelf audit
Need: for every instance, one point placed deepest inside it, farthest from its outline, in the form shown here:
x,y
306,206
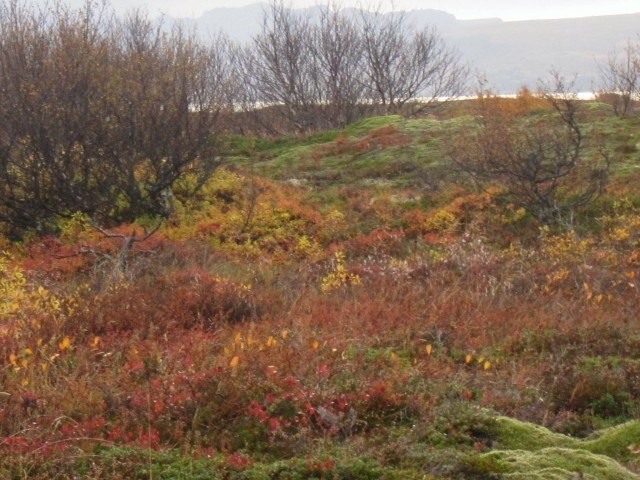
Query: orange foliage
x,y
230,325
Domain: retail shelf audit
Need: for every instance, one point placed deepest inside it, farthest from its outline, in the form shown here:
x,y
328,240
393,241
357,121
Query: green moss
x,y
513,434
372,123
614,442
557,463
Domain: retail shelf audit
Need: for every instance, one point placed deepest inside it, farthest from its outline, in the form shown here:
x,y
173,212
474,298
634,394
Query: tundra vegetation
x,y
378,298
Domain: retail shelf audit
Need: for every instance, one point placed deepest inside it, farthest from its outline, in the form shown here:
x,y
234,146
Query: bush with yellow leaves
x,y
565,246
339,277
32,326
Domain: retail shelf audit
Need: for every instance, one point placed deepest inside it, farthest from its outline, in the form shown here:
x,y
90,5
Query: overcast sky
x,y
462,9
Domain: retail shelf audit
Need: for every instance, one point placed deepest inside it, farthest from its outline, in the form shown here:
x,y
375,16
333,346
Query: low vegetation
x,y
409,296
334,306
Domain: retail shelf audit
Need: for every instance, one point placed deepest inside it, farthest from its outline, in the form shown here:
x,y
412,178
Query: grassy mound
x,y
613,442
526,451
557,463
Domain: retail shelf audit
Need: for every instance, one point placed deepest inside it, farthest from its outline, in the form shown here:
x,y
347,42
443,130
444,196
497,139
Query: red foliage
x,y
380,241
183,299
379,139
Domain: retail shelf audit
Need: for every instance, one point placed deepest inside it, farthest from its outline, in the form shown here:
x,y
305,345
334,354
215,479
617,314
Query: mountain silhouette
x,y
508,54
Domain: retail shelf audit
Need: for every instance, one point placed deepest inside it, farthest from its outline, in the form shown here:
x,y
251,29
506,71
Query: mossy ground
x,y
557,463
529,452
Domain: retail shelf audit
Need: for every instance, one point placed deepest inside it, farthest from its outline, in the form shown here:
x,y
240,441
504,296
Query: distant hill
x,y
510,54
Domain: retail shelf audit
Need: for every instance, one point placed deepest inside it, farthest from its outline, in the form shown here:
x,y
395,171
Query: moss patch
x,y
513,434
614,442
558,464
530,452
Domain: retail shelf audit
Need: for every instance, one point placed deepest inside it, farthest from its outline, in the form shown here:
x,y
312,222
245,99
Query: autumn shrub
x,y
33,322
339,277
184,299
538,160
476,214
380,241
79,66
288,338
250,217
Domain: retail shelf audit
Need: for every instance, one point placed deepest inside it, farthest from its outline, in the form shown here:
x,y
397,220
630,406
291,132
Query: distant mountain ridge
x,y
509,54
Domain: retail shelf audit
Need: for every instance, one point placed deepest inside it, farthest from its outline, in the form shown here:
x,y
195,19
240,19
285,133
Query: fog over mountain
x,y
509,54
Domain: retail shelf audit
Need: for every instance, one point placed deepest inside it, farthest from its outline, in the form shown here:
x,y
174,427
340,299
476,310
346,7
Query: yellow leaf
x,y
271,342
96,341
428,349
24,363
315,345
284,334
234,362
64,343
249,340
487,364
44,366
13,359
25,382
39,342
28,351
481,359
468,359
588,291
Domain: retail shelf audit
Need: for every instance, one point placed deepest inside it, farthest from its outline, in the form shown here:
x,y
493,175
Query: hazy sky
x,y
462,9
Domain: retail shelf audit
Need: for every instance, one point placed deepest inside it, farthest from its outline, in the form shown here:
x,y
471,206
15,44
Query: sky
x,y
508,10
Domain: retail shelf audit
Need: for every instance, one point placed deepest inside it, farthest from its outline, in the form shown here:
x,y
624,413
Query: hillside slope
x,y
338,306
